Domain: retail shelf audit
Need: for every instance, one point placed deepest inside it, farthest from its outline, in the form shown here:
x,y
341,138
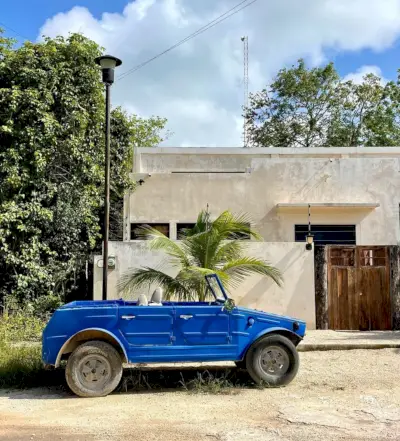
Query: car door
x,y
202,332
147,329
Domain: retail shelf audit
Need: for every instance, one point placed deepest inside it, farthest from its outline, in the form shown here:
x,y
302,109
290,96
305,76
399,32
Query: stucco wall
x,y
184,181
296,298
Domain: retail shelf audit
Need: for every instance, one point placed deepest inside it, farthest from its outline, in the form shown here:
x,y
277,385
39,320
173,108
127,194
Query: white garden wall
x,y
296,298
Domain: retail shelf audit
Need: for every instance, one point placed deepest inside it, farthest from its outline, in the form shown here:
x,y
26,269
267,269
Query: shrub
x,y
20,352
21,327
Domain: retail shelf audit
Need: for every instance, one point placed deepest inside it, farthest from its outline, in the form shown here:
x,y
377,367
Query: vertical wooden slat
x,y
339,288
352,300
388,300
378,292
330,289
362,288
394,284
343,310
384,303
333,293
380,299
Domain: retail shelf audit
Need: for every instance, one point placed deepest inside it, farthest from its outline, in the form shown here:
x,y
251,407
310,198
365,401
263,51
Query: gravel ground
x,y
346,395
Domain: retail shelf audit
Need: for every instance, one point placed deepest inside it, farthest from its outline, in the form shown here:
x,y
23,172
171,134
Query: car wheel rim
x,y
274,361
94,371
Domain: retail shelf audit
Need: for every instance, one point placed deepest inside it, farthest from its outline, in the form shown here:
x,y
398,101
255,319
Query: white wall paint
x,y
256,180
295,299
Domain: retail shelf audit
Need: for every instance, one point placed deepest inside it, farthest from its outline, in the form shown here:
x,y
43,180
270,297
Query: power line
x,y
208,26
199,31
13,30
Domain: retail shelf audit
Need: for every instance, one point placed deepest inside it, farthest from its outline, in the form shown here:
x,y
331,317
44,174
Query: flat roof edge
x,y
361,205
272,151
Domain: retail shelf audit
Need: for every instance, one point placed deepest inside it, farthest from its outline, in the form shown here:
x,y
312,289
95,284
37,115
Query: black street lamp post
x,y
107,63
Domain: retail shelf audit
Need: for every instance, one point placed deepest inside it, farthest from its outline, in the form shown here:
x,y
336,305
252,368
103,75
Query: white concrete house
x,y
353,195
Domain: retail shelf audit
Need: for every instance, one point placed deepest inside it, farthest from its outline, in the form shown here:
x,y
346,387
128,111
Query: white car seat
x,y
156,298
142,300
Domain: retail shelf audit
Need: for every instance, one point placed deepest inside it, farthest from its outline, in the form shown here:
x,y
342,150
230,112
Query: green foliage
x,y
314,108
20,349
21,367
52,163
210,247
22,325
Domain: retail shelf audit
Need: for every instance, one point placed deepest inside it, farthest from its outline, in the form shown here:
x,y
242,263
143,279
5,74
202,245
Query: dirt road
x,y
349,395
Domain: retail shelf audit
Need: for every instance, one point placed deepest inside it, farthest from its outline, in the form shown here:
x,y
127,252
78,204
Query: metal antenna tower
x,y
245,41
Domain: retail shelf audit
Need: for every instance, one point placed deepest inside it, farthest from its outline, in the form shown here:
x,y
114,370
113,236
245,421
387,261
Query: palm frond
x,y
203,247
199,227
227,251
232,225
159,241
239,269
137,278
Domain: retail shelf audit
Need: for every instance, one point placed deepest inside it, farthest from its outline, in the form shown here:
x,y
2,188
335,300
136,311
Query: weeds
x,y
20,363
217,381
19,366
20,327
206,382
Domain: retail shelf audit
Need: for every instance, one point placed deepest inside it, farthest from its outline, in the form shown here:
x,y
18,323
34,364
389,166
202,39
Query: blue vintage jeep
x,y
99,337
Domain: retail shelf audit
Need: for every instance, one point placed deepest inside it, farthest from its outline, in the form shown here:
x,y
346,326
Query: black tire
x,y
94,369
272,361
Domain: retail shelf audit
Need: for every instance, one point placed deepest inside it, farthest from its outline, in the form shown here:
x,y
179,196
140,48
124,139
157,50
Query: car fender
x,y
61,351
264,332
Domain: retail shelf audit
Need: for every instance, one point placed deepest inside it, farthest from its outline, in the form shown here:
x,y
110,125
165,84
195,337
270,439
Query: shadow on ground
x,y
217,380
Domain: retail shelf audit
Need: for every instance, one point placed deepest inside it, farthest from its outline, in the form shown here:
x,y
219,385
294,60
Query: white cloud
x,y
198,86
358,76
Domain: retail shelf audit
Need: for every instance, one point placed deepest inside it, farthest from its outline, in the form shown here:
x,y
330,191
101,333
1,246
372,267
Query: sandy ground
x,y
344,338
347,395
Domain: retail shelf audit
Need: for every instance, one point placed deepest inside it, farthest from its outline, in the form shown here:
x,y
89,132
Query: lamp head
x,y
108,63
309,241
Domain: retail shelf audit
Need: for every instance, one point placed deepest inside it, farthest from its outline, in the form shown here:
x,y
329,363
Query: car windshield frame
x,y
216,287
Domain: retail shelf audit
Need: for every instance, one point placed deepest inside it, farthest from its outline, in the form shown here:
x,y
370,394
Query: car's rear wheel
x,y
94,369
272,361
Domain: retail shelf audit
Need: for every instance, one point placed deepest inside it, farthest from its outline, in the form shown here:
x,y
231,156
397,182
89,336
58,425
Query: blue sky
x,y
206,73
27,16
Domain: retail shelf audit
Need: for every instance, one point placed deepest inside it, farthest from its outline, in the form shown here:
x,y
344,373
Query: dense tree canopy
x,y
52,162
315,108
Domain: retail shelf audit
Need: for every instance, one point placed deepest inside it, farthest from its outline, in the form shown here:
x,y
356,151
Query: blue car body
x,y
172,332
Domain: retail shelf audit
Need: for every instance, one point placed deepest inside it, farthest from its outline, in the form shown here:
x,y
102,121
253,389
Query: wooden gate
x,y
359,288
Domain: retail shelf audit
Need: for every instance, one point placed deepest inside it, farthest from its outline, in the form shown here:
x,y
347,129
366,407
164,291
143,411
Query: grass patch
x,y
19,366
21,327
20,354
211,381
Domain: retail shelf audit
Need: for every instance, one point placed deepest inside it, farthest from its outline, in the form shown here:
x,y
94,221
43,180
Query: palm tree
x,y
209,247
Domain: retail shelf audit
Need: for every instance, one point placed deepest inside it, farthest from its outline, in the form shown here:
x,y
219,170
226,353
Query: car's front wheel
x,y
273,360
94,369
